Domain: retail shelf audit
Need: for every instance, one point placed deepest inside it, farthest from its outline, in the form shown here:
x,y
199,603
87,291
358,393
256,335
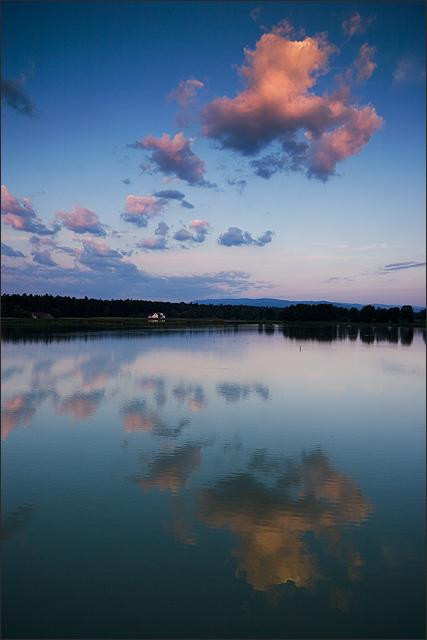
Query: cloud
x,y
162,229
182,235
344,141
140,209
13,93
174,156
10,252
104,273
196,233
173,194
48,242
235,237
126,181
270,164
255,13
398,266
364,64
99,249
186,91
170,194
20,214
239,184
187,205
278,104
43,257
356,24
409,71
158,243
185,95
82,220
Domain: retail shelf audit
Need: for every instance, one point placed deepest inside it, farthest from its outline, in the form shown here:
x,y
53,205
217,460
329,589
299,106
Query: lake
x,y
249,481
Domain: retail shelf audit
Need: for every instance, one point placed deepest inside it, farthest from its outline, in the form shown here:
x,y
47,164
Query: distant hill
x,y
274,302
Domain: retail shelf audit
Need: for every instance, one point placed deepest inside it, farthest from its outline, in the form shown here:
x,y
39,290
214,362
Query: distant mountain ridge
x,y
275,302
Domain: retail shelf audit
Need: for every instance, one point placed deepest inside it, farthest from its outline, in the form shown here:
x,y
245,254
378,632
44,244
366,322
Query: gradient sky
x,y
146,155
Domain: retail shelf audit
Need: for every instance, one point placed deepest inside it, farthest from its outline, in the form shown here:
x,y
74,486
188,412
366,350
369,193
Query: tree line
x,y
23,305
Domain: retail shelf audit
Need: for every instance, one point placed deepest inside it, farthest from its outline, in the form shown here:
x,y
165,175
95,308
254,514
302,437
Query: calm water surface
x,y
215,483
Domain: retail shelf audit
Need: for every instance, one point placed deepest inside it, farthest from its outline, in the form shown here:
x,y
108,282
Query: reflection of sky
x,y
156,378
298,450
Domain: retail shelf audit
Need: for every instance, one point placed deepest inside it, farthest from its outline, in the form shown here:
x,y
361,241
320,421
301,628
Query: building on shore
x,y
157,317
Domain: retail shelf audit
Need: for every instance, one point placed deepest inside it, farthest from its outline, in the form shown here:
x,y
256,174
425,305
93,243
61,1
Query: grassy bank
x,y
125,323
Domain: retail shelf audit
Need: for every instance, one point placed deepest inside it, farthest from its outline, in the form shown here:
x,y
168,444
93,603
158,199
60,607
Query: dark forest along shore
x,y
263,480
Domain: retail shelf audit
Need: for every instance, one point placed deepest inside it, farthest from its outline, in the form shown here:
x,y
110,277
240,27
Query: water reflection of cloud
x,y
20,410
171,469
137,417
156,386
192,395
80,405
234,392
9,372
13,523
271,522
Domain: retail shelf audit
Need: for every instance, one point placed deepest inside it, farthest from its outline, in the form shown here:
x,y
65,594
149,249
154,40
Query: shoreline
x,y
16,325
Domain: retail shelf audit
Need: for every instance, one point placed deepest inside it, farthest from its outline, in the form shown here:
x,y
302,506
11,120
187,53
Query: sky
x,y
188,150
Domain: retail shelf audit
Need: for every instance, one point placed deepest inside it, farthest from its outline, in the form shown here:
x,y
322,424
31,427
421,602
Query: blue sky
x,y
83,82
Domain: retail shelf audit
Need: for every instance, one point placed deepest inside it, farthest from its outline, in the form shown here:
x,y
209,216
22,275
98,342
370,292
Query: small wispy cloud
x,y
356,24
398,266
174,194
10,251
409,71
255,13
14,95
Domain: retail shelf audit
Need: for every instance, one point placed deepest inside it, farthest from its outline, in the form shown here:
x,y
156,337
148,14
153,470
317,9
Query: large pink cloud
x,y
19,213
140,209
82,220
174,156
279,104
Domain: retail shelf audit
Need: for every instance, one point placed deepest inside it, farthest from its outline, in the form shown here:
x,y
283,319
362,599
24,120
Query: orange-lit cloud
x,y
174,156
82,220
140,209
20,214
279,103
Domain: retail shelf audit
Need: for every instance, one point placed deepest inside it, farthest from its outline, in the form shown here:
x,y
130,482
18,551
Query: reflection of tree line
x,y
272,508
329,333
315,332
